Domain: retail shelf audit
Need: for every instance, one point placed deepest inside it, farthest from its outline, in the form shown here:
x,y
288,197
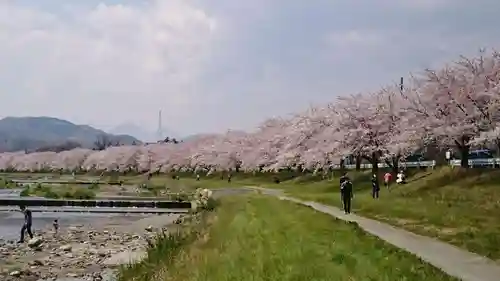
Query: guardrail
x,y
426,164
485,162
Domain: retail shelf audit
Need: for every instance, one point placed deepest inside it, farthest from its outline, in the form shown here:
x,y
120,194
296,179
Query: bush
x,y
180,197
25,192
204,200
211,204
80,193
51,194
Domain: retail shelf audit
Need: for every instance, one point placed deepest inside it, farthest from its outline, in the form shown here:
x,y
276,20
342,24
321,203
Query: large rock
x,y
35,242
15,273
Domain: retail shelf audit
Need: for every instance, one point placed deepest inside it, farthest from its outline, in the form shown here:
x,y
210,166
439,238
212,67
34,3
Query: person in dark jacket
x,y
347,195
28,219
343,178
375,186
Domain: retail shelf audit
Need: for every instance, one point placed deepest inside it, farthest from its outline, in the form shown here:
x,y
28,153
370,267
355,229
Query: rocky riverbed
x,y
82,252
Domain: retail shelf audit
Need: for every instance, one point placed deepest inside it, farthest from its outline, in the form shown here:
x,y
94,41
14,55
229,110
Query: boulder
x,y
35,242
15,273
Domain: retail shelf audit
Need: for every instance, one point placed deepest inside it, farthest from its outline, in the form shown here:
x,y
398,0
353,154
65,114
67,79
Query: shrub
x,y
51,194
180,197
25,192
80,193
203,200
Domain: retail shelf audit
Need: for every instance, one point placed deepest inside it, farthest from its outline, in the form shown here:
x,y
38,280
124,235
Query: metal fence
x,y
486,162
431,164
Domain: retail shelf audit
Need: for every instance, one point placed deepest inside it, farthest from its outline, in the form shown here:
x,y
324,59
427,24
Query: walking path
x,y
452,260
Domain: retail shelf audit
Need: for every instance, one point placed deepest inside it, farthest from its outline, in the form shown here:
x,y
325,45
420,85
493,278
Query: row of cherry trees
x,y
457,106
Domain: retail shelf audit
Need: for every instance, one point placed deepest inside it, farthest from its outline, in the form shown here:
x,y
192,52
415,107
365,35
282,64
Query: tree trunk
x,y
393,163
342,165
358,162
463,148
374,162
464,156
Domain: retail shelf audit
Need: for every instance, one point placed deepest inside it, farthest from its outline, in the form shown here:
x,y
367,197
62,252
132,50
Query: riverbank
x,y
78,250
457,206
253,237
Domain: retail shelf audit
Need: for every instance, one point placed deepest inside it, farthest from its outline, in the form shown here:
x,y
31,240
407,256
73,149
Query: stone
x,y
15,273
102,253
35,242
66,248
149,228
37,263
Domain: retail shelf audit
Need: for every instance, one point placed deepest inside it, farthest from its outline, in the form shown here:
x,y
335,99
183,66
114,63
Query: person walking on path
x,y
387,180
343,178
347,195
375,186
28,219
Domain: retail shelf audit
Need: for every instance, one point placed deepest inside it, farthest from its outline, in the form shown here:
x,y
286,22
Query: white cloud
x,y
111,59
210,65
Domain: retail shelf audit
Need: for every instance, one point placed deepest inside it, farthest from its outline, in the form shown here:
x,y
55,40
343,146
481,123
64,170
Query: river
x,y
11,222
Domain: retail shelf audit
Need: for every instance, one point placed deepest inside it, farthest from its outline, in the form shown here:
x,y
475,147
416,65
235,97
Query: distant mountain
x,y
32,133
140,133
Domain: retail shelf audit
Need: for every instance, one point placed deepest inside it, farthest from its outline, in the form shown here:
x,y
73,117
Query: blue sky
x,y
214,65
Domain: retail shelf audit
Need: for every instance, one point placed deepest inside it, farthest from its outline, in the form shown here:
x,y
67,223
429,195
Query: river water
x,y
11,222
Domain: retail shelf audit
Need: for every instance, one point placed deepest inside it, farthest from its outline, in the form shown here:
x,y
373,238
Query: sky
x,y
217,65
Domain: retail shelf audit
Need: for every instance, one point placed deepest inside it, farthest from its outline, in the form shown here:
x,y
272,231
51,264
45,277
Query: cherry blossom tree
x,y
458,102
365,132
457,105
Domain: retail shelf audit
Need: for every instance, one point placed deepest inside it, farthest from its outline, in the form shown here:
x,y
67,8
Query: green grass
x,y
456,206
263,238
6,183
56,192
461,208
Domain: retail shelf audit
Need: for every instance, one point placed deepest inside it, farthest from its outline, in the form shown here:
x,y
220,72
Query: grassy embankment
x,y
262,238
459,207
5,183
60,191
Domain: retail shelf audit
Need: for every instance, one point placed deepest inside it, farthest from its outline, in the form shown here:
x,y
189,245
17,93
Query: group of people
x,y
346,187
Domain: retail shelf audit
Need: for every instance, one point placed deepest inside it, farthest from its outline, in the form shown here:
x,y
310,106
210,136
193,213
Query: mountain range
x,y
32,133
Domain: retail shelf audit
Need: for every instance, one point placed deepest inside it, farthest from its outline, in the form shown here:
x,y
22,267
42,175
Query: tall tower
x,y
160,128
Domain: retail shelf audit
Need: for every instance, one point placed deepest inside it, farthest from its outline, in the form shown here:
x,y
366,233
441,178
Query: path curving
x,y
452,260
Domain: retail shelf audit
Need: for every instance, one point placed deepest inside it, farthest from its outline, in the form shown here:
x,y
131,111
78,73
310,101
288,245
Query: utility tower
x,y
160,128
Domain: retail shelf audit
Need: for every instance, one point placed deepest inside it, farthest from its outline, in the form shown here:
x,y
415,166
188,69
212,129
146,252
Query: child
x,y
55,224
387,180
